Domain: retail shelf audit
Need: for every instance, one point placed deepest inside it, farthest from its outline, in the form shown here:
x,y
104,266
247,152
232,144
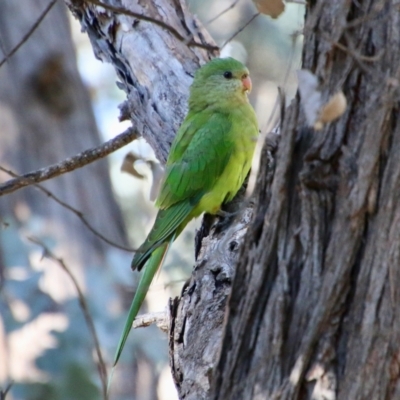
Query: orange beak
x,y
246,83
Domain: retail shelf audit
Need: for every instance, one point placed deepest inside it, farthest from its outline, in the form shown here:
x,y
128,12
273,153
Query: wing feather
x,y
200,164
197,159
165,225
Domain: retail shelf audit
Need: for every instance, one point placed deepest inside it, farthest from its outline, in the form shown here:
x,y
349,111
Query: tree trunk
x,y
312,314
314,307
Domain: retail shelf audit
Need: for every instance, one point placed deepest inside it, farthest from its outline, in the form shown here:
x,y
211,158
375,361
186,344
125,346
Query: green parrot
x,y
209,160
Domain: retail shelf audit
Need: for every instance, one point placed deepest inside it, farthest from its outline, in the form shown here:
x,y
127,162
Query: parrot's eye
x,y
228,75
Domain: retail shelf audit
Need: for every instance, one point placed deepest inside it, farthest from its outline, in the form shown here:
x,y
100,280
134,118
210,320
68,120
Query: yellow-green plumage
x,y
208,163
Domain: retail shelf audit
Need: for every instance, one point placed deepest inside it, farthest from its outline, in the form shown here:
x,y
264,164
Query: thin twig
x,y
3,393
29,33
101,366
359,56
240,29
353,52
70,164
358,21
78,213
357,52
222,12
124,11
161,319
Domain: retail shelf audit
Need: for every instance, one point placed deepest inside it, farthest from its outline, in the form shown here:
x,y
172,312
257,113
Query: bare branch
x,y
161,319
356,53
101,366
241,29
78,213
352,51
121,10
70,164
223,12
29,33
376,10
3,393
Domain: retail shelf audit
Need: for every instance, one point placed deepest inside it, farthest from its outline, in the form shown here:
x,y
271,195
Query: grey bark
x,y
314,308
198,316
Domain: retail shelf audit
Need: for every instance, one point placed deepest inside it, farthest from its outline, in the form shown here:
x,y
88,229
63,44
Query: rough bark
x,y
197,317
314,307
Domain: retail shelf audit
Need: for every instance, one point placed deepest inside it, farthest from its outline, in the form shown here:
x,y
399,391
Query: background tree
x,y
46,116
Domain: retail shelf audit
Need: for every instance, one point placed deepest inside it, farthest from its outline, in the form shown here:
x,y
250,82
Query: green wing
x,y
194,167
165,225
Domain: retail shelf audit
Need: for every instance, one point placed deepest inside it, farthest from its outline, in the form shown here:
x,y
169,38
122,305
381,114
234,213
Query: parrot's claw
x,y
226,214
225,220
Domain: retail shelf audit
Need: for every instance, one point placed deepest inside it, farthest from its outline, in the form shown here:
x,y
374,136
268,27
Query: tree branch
x,y
3,393
70,164
251,19
230,7
121,10
29,33
78,213
161,319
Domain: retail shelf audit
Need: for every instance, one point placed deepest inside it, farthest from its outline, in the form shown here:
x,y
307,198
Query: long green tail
x,y
152,266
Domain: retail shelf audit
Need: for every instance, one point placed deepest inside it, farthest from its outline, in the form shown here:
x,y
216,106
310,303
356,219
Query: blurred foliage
x,y
61,366
74,383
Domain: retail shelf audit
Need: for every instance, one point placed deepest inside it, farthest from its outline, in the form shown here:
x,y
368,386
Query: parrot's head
x,y
223,82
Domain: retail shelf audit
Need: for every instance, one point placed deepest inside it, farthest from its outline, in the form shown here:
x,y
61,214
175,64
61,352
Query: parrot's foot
x,y
226,218
226,214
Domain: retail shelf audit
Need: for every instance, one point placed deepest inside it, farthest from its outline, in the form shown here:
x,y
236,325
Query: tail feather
x,y
154,263
169,223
